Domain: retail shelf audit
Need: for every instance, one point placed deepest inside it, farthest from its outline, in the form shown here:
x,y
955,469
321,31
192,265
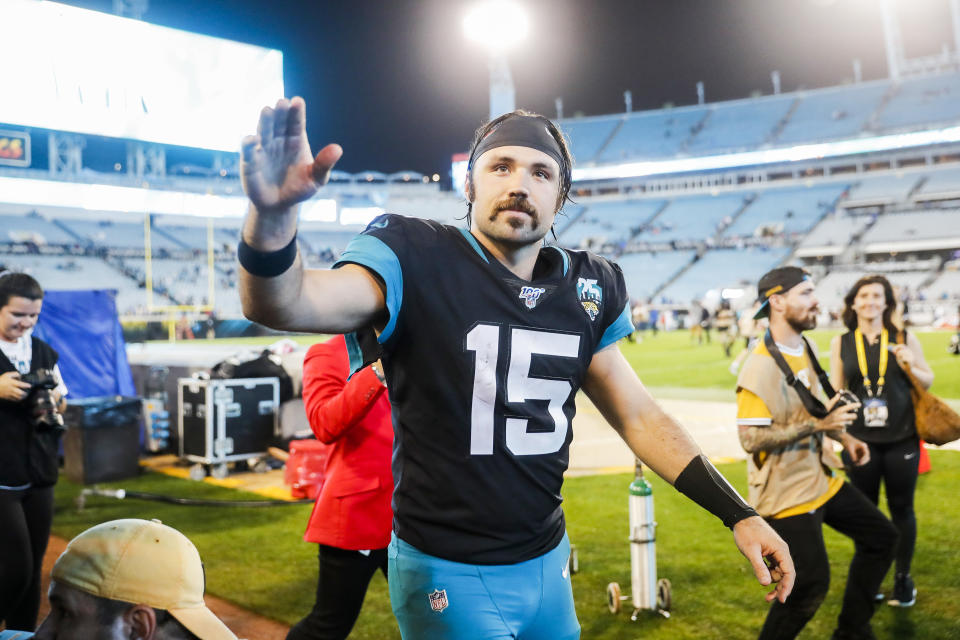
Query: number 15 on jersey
x,y
484,341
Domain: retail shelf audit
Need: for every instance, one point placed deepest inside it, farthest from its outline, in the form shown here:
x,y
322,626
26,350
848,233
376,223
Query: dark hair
x,y
13,283
850,316
171,628
566,167
168,627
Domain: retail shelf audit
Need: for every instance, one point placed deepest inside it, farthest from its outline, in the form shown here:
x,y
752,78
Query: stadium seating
x,y
720,268
693,217
884,189
932,228
33,228
645,272
790,210
652,134
609,222
79,272
945,287
831,114
586,136
124,235
940,185
741,125
832,234
921,103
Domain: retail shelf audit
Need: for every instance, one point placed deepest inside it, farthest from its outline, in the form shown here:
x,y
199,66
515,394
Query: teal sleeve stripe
x,y
354,353
373,253
619,328
473,243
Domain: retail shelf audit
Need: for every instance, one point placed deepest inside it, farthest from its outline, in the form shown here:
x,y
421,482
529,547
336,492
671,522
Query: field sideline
x,y
673,367
257,559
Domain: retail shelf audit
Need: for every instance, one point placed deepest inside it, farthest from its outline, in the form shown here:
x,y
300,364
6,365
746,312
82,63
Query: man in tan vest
x,y
791,466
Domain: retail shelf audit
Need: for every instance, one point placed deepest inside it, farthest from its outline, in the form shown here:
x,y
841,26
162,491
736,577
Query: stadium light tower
x,y
498,25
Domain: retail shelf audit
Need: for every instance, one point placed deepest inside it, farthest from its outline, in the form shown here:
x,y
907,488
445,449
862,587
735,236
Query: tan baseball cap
x,y
142,562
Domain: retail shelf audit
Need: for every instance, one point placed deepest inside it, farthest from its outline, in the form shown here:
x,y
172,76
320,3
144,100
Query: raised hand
x,y
277,168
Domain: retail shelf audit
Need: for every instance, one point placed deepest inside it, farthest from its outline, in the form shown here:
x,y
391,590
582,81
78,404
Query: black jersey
x,y
896,392
482,369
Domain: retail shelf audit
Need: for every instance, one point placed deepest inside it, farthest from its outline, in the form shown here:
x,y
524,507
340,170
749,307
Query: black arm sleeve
x,y
701,482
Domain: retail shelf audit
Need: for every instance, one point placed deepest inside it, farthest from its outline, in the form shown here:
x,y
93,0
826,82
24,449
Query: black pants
x,y
341,586
25,518
874,537
897,464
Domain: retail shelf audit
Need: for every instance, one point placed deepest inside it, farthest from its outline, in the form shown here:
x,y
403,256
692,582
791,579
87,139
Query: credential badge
x,y
590,295
531,295
438,600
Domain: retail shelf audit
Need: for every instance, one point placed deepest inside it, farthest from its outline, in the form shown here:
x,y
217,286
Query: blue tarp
x,y
84,329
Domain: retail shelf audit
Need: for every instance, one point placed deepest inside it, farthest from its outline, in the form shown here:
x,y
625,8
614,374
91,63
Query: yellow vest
x,y
797,478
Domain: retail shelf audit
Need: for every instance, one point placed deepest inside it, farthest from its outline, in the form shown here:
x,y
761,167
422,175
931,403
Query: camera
x,y
846,397
43,406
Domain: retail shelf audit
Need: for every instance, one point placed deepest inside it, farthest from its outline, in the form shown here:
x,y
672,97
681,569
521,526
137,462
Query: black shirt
x,y
896,391
26,458
482,370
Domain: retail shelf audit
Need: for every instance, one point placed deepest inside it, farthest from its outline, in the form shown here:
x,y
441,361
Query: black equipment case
x,y
227,420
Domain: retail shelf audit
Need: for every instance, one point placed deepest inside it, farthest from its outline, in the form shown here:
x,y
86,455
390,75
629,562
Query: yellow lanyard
x,y
862,361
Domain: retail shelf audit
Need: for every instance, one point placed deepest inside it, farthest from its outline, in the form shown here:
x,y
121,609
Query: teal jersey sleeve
x,y
378,248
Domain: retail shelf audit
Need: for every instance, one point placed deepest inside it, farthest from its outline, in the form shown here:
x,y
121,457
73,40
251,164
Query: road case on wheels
x,y
224,421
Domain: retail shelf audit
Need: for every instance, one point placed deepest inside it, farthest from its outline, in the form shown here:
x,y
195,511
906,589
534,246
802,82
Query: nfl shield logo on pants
x,y
438,600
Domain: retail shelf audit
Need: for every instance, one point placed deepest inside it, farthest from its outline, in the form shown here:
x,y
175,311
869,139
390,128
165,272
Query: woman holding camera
x,y
29,444
869,361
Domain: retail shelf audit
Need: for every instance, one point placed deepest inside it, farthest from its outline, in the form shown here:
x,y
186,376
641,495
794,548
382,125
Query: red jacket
x,y
353,416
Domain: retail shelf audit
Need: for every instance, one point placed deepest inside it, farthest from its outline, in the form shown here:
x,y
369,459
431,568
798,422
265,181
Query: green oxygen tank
x,y
643,548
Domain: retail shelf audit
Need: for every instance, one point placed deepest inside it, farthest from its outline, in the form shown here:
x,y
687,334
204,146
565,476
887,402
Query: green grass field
x,y
257,559
671,363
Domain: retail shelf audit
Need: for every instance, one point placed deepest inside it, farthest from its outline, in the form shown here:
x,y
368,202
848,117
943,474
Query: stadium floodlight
x,y
496,24
499,25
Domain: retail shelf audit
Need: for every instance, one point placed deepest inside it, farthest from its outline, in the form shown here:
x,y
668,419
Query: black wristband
x,y
267,264
701,482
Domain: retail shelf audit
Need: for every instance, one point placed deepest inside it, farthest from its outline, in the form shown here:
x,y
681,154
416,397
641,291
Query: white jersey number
x,y
484,340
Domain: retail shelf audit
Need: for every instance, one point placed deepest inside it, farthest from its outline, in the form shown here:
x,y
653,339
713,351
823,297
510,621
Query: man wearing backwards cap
x,y
790,467
130,579
486,336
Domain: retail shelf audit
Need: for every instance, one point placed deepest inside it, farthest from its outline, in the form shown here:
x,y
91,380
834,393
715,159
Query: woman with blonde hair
x,y
860,360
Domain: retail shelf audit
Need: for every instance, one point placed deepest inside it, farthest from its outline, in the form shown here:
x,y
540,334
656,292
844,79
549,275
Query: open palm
x,y
276,168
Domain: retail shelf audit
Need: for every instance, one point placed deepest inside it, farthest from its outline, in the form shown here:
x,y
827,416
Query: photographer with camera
x,y
31,394
782,425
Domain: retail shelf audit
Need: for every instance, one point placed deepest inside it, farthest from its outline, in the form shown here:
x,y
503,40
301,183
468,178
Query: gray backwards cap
x,y
520,131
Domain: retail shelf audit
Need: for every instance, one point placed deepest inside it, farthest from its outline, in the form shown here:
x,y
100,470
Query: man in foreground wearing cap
x,y
130,579
782,425
486,337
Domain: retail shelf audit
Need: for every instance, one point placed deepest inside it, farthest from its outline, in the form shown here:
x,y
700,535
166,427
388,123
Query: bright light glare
x,y
359,215
731,294
319,210
778,155
497,24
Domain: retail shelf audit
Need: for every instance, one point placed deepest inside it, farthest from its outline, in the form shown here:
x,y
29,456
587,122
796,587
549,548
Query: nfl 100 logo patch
x,y
531,296
438,600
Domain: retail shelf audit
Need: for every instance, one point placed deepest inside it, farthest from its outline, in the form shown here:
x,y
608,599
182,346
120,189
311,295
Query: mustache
x,y
516,204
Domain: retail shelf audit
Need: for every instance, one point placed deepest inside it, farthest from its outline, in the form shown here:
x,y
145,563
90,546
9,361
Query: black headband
x,y
520,131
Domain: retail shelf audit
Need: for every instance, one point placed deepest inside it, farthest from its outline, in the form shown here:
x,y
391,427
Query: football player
x,y
486,337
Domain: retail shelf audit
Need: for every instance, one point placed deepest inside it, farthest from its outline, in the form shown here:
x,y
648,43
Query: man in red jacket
x,y
352,517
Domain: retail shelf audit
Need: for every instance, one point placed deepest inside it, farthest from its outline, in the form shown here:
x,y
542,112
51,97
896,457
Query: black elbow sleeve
x,y
701,482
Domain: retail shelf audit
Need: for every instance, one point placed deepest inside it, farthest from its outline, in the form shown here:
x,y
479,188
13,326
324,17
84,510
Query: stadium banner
x,y
100,74
15,148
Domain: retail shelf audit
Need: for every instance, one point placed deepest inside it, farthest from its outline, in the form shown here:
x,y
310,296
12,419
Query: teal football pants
x,y
437,599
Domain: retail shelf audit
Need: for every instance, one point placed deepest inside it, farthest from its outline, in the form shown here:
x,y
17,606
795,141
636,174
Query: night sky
x,y
398,85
